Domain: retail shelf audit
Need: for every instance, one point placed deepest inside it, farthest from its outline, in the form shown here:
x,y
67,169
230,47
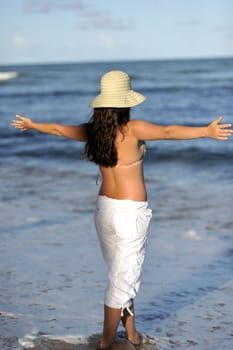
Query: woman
x,y
116,144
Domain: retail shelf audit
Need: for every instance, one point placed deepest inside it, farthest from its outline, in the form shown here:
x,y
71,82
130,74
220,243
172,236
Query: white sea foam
x,y
30,341
70,339
9,315
192,235
4,76
32,219
27,342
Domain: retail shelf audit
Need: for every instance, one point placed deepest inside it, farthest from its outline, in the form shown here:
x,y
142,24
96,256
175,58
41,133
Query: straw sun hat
x,y
115,91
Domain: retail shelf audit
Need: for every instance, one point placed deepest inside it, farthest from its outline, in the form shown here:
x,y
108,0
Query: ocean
x,y
52,275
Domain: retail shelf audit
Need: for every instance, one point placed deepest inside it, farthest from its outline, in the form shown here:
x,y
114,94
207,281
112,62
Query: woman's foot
x,y
102,346
136,340
118,345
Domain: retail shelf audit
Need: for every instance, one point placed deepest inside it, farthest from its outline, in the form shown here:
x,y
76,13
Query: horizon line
x,y
164,59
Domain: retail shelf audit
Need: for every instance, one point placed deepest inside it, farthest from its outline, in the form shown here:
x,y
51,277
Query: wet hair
x,y
101,133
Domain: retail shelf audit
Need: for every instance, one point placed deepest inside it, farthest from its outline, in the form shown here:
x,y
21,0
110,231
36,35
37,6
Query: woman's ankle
x,y
103,346
135,339
106,344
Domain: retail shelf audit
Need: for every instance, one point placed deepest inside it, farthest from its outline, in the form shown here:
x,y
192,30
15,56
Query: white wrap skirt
x,y
122,228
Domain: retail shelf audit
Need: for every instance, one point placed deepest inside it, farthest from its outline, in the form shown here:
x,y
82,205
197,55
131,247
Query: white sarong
x,y
122,227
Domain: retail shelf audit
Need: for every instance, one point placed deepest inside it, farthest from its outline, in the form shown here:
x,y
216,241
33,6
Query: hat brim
x,y
130,99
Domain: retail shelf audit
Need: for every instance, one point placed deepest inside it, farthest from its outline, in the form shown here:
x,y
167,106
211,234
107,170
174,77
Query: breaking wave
x,y
5,76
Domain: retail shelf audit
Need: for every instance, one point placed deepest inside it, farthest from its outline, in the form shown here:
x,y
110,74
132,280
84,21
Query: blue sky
x,y
35,31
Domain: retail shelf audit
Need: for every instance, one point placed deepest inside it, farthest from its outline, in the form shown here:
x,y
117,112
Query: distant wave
x,y
79,92
49,149
179,89
194,71
189,155
5,76
54,93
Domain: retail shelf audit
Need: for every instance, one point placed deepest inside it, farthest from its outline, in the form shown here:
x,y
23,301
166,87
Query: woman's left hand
x,y
22,123
219,131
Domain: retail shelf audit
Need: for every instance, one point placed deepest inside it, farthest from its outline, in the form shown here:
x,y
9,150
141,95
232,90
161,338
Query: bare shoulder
x,y
145,130
137,124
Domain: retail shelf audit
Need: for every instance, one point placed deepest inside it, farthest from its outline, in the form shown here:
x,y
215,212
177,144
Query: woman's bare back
x,y
125,180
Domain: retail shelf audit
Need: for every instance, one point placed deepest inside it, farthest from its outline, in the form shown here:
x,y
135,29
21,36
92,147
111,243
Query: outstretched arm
x,y
148,131
75,132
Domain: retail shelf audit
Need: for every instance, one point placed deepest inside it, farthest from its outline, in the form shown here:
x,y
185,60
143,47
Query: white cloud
x,y
106,40
46,6
108,21
189,23
73,5
19,41
40,6
89,16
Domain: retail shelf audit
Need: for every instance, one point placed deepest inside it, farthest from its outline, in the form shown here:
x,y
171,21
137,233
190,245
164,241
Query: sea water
x,y
52,275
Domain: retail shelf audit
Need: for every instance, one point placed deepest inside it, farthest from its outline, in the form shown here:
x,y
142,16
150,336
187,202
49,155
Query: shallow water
x,y
52,275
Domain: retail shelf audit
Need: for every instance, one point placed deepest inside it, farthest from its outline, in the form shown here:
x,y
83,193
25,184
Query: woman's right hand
x,y
219,131
22,123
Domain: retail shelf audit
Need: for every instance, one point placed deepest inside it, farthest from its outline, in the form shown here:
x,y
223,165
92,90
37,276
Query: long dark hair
x,y
101,133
